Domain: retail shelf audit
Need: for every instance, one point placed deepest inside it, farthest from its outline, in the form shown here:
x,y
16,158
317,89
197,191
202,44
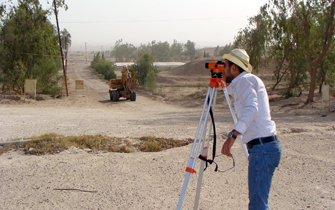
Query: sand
x,y
80,179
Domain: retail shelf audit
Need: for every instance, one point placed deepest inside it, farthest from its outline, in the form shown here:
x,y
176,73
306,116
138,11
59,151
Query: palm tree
x,y
65,39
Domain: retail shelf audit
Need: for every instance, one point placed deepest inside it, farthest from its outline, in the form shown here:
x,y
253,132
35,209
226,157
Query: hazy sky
x,y
208,23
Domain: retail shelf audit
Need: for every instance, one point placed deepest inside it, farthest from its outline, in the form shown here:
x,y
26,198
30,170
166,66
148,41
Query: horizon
x,y
101,23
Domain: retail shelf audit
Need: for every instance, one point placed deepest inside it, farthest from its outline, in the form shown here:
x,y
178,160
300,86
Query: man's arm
x,y
249,105
228,144
248,99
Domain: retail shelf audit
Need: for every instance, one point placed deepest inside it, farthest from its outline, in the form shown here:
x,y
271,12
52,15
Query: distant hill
x,y
195,67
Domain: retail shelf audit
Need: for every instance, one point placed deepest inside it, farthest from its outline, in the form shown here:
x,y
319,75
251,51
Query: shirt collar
x,y
238,77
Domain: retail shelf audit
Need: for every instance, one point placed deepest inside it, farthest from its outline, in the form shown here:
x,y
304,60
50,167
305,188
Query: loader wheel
x,y
111,95
132,95
116,96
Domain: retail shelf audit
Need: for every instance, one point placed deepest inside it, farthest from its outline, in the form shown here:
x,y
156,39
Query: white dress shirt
x,y
252,107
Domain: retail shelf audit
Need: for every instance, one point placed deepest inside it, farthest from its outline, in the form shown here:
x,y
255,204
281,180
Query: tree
x,y
142,67
2,10
123,52
326,75
103,67
217,50
59,4
176,51
206,55
314,23
94,62
161,51
254,38
46,74
142,49
286,48
190,50
28,40
316,19
66,39
226,49
150,80
297,36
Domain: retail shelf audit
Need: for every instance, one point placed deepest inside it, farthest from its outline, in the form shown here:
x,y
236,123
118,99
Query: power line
x,y
166,20
42,55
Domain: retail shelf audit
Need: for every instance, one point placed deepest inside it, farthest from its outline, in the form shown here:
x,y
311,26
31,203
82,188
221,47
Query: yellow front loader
x,y
124,87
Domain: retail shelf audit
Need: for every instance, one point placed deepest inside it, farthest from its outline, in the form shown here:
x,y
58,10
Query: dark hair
x,y
238,67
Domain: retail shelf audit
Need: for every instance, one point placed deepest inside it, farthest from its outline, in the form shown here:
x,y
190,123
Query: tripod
x,y
207,109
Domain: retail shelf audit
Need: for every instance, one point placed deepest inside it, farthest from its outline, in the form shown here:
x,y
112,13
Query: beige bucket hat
x,y
239,57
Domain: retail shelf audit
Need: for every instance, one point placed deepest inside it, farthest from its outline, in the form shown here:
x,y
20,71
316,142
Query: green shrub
x,y
46,74
150,82
143,67
103,67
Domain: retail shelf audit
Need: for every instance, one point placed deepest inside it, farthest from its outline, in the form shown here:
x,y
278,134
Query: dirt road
x,y
90,111
304,180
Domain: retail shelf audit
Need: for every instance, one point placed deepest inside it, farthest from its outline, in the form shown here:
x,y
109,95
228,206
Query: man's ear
x,y
234,69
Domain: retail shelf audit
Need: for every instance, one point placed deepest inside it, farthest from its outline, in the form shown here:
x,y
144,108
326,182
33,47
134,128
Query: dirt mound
x,y
195,67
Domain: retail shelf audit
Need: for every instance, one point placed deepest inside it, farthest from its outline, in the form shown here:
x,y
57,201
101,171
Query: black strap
x,y
214,143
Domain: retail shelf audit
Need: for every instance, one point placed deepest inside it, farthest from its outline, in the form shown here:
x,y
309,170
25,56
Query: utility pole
x,y
86,52
152,48
66,52
60,47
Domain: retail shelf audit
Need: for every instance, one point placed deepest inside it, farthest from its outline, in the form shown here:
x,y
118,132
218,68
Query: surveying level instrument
x,y
216,69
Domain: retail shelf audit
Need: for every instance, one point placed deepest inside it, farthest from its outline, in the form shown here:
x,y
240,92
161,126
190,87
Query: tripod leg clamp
x,y
190,170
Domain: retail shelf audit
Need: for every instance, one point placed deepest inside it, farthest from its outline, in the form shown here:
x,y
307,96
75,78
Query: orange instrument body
x,y
217,69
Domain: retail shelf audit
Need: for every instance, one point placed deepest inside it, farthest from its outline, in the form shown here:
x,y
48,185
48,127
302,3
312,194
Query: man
x,y
254,123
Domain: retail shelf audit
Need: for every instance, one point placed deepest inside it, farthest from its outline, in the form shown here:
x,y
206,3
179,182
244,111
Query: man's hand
x,y
226,146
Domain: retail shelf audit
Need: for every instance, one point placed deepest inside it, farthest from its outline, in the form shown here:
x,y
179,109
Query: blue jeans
x,y
263,160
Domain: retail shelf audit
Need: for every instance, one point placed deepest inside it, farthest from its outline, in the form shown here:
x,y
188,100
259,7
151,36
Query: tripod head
x,y
216,68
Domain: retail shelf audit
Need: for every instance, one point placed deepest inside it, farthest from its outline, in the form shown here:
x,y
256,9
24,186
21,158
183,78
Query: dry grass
x,y
153,144
54,143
